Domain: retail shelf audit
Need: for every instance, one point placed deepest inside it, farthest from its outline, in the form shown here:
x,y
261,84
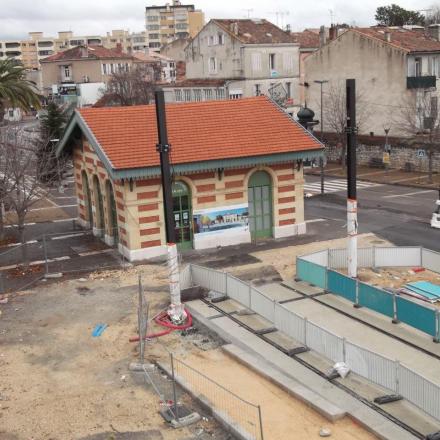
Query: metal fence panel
x,y
398,256
209,278
341,285
419,391
415,315
337,258
371,366
376,299
320,258
238,290
185,277
289,323
311,272
366,257
431,260
262,305
324,342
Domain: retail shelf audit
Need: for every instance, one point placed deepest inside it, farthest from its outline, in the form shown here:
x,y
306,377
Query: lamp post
x,y
387,149
321,160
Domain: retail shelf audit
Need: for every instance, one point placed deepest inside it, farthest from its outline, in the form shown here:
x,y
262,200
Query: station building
x,y
237,171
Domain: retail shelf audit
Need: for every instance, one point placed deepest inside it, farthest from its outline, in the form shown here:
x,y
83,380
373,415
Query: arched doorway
x,y
99,207
182,215
112,212
260,205
87,198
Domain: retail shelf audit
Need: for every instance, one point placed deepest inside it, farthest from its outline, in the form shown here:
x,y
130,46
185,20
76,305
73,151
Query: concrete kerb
x,y
243,355
220,416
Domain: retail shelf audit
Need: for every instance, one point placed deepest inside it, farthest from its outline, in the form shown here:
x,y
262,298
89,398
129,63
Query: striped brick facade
x,y
140,206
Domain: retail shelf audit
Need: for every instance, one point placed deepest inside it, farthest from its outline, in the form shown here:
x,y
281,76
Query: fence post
x,y
176,411
395,319
356,305
437,327
344,351
226,284
261,422
397,366
421,256
305,332
250,296
374,256
46,263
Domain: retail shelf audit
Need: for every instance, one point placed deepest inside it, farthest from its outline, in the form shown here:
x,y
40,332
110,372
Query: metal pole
x,y
261,422
321,160
46,263
352,225
163,147
176,411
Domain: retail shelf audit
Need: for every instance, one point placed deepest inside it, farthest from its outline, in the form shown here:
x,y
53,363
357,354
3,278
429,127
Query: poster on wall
x,y
223,219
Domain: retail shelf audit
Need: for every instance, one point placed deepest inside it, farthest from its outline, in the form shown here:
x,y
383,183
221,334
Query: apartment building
x,y
394,68
38,46
169,22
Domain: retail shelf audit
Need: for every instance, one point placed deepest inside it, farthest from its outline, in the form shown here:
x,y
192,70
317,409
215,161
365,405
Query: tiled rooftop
x,y
87,52
197,131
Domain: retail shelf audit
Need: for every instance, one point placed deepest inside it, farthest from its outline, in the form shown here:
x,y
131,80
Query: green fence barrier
x,y
311,272
415,315
341,285
376,299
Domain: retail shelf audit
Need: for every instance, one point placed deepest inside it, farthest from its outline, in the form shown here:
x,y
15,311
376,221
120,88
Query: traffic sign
x,y
421,153
386,158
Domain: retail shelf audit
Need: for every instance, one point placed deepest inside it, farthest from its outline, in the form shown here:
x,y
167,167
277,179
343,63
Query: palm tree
x,y
15,88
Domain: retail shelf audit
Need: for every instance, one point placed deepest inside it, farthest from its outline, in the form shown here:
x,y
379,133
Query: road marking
x,y
331,186
316,220
64,220
15,226
409,194
68,236
86,254
408,178
64,197
18,244
35,263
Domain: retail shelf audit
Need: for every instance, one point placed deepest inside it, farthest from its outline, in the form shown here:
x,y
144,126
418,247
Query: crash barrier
x,y
387,373
323,265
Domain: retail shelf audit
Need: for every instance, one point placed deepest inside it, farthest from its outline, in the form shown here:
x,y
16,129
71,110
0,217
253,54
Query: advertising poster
x,y
223,219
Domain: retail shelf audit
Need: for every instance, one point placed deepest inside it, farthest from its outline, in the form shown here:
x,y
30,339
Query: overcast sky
x,y
18,17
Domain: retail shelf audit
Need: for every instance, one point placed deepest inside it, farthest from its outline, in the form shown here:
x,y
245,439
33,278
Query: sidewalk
x,y
391,177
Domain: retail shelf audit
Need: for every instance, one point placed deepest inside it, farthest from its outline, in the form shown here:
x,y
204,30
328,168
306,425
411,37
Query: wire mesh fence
x,y
243,416
77,250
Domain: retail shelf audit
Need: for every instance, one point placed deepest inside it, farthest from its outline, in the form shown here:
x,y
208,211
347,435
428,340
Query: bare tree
x,y
419,119
335,113
433,15
131,87
21,163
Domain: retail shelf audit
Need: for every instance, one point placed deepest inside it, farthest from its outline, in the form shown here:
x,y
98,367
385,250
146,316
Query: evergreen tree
x,y
52,125
394,15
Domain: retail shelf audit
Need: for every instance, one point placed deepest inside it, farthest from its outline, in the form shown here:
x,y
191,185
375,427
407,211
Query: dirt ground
x,y
59,382
283,416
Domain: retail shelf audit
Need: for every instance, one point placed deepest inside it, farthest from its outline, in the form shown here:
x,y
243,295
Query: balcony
x,y
420,82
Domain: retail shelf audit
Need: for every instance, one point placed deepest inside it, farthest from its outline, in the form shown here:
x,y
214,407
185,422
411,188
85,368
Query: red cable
x,y
163,320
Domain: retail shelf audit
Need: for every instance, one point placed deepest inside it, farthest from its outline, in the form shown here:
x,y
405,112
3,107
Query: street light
x,y
321,160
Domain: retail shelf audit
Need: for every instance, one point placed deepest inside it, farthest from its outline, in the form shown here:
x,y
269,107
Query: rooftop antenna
x,y
248,11
279,15
332,15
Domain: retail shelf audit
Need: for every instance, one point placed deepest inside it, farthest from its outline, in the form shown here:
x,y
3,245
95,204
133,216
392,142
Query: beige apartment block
x,y
232,182
170,22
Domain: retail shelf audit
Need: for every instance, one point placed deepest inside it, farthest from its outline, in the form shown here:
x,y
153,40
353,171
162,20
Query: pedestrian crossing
x,y
334,185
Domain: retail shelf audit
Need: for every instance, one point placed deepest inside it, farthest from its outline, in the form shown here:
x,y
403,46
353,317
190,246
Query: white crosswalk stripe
x,y
331,186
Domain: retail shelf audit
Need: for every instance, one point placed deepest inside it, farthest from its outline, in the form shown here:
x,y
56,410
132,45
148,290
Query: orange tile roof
x,y
197,131
88,53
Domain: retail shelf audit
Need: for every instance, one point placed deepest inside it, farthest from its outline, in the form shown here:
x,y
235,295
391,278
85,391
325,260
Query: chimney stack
x,y
119,47
434,31
234,28
387,36
333,32
322,36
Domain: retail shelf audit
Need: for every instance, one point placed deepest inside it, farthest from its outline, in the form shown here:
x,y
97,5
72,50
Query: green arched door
x,y
260,205
113,217
87,197
182,215
99,206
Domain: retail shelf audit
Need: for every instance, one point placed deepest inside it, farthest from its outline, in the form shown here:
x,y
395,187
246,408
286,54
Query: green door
x,y
99,206
260,205
88,201
182,215
113,213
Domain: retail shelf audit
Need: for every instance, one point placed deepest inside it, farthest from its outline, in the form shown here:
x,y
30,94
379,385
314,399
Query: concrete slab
x,y
201,307
256,322
367,337
303,287
278,293
230,306
314,389
282,340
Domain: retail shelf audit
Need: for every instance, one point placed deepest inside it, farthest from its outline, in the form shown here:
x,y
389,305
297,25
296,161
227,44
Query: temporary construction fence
x,y
241,416
320,269
387,373
22,265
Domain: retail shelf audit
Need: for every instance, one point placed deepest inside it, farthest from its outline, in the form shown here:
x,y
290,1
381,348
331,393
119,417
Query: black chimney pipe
x,y
163,147
351,138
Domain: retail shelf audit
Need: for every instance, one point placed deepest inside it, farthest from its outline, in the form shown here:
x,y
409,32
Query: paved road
x,y
397,213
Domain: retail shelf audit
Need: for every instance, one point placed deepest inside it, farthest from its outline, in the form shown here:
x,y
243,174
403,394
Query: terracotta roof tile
x,y
197,131
406,39
87,52
307,39
255,31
